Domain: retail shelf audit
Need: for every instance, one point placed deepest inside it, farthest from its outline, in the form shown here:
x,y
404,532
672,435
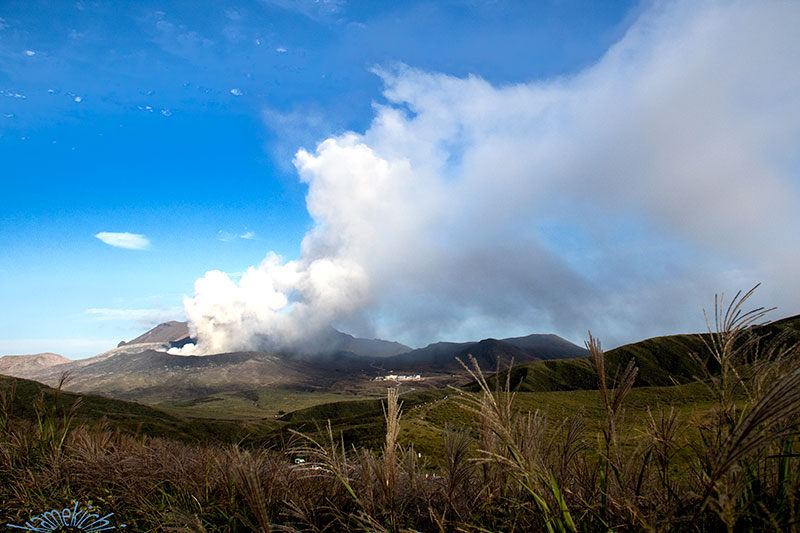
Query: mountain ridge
x,y
488,352
142,370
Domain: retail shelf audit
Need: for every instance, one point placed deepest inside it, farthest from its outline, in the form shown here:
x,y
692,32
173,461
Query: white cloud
x,y
131,241
248,235
30,53
236,92
618,199
281,50
78,99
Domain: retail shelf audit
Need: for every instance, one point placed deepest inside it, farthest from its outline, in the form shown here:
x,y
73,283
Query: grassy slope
x,y
252,404
667,376
427,415
661,360
126,416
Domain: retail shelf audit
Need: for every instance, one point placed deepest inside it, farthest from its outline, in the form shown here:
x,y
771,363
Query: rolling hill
x,y
23,395
662,361
29,365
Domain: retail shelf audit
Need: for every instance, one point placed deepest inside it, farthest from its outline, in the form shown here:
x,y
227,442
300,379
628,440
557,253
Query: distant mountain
x,y
441,356
547,346
333,341
155,376
142,370
30,365
170,333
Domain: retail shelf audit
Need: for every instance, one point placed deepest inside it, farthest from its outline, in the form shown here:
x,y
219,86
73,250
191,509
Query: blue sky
x,y
181,122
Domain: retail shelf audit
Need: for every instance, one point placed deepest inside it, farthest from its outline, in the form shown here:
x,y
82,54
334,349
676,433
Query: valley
x,y
263,384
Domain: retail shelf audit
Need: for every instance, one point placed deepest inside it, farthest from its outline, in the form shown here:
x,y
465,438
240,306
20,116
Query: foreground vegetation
x,y
719,453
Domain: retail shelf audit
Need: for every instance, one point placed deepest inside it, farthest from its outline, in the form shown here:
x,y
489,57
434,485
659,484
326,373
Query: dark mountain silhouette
x,y
332,341
441,356
547,346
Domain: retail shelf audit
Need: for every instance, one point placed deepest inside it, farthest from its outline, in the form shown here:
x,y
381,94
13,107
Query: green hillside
x,y
668,374
25,398
662,361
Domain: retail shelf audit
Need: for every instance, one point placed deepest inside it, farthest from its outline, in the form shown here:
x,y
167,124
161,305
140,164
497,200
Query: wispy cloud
x,y
227,236
318,10
148,316
178,40
131,241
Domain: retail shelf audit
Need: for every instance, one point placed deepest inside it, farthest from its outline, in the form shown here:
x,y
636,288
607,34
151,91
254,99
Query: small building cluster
x,y
399,377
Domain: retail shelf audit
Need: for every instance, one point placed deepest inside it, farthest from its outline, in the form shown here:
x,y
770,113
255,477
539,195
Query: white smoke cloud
x,y
620,198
